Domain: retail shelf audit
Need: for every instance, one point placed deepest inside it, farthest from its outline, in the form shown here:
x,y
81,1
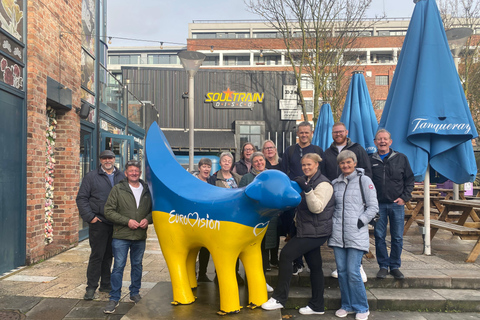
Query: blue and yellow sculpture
x,y
189,214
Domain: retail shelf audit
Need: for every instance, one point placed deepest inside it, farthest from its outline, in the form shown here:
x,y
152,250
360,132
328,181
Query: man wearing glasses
x,y
340,143
129,207
91,198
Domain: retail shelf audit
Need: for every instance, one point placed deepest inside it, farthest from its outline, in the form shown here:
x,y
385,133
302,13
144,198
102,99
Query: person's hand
x,y
287,237
399,201
306,187
143,224
360,224
95,220
132,224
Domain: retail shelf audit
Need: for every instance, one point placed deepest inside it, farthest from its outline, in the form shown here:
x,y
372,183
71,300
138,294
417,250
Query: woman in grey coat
x,y
355,205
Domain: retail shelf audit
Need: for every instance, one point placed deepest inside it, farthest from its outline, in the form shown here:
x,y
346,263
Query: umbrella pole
x,y
426,211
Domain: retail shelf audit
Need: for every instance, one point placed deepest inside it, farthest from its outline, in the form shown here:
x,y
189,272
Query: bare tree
x,y
466,13
317,34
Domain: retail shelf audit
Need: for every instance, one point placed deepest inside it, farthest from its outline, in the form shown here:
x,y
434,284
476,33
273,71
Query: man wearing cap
x,y
91,198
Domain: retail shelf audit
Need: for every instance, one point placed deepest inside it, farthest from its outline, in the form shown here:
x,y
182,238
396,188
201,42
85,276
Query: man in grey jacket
x,y
91,198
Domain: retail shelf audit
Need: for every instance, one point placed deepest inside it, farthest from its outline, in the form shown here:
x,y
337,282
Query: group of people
x,y
343,189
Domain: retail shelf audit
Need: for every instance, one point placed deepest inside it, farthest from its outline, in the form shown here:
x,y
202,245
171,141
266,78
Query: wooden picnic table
x,y
449,193
462,228
415,206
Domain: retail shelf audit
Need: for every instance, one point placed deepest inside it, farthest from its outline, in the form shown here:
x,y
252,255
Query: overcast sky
x,y
167,21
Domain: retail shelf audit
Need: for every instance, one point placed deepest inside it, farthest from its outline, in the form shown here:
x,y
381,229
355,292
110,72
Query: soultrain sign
x,y
234,100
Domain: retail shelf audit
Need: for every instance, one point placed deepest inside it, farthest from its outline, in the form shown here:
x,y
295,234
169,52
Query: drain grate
x,y
11,315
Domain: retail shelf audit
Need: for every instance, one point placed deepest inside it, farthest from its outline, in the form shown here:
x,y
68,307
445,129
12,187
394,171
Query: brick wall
x,y
57,57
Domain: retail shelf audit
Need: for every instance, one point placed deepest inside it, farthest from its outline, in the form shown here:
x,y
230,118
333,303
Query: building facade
x,y
58,114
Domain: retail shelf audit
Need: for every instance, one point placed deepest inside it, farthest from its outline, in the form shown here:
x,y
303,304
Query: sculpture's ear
x,y
296,186
254,191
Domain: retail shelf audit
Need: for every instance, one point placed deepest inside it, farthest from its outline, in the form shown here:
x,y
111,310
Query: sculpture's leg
x,y
191,265
175,250
251,258
227,280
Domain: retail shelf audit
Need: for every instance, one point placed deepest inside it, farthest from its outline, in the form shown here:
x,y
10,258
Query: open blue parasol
x,y
322,136
426,111
358,115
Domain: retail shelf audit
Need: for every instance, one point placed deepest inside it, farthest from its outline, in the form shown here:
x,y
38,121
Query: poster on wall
x,y
11,16
88,26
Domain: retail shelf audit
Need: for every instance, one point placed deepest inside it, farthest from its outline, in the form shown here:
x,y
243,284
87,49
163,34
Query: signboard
x,y
291,114
287,104
290,92
234,100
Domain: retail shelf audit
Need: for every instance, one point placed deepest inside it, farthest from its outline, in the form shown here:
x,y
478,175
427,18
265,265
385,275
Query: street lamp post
x,y
191,61
457,37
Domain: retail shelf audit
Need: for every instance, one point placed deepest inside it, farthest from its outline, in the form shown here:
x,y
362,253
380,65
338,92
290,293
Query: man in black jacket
x,y
340,143
394,181
91,198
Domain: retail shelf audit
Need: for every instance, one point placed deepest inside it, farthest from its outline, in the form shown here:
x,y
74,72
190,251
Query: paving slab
x,y
23,304
51,309
157,305
93,310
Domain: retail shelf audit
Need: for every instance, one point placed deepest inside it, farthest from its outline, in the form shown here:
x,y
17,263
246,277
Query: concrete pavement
x,y
54,289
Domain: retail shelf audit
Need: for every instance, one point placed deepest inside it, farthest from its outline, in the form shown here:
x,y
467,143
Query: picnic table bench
x,y
460,228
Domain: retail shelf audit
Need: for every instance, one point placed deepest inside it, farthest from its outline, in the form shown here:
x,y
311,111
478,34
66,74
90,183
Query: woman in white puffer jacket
x,y
350,238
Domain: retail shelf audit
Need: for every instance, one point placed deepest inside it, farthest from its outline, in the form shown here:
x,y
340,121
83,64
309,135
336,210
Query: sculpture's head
x,y
274,190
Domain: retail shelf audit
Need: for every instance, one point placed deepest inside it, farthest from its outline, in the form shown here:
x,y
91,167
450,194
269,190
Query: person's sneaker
x,y
362,316
203,278
136,298
382,273
342,313
269,288
308,310
297,270
89,294
272,304
397,274
110,307
363,274
106,289
274,265
334,274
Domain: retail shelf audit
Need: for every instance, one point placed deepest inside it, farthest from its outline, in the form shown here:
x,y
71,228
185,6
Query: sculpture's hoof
x,y
177,303
223,313
252,306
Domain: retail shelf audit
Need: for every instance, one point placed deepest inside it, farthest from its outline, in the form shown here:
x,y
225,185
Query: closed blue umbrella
x,y
358,115
426,111
322,136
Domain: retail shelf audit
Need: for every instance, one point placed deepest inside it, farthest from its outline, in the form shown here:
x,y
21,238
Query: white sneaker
x,y
362,316
363,274
334,274
297,270
269,288
272,304
308,310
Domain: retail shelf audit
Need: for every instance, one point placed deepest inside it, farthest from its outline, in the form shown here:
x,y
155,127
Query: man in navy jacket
x,y
91,198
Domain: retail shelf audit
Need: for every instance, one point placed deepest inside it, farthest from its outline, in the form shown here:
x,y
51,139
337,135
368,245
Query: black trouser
x,y
203,257
310,248
100,262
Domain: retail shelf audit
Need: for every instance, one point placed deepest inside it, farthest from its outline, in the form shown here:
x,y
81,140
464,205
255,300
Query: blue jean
x,y
396,215
352,289
120,252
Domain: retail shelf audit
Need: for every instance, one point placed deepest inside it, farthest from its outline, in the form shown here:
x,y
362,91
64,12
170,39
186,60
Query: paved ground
x,y
54,289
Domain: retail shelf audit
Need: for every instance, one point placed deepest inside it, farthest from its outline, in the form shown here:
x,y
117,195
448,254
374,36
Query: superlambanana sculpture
x,y
189,214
